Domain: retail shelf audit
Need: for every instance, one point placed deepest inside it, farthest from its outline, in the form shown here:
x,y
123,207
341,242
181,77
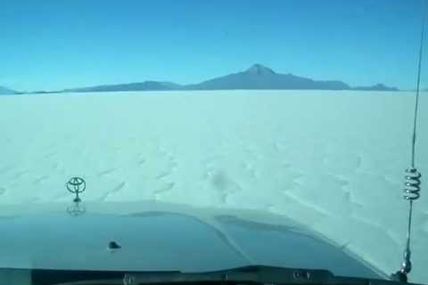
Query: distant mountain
x,y
139,86
377,87
262,77
257,77
6,91
43,92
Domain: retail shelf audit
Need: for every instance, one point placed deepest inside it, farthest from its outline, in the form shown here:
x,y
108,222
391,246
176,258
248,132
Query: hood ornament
x,y
76,185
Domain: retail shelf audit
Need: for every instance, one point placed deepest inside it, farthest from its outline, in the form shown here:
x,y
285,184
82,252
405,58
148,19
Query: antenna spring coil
x,y
412,184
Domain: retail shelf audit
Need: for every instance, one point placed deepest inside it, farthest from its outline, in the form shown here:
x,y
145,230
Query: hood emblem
x,y
76,185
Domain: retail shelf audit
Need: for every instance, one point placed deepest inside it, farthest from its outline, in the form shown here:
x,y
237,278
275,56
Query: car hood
x,y
161,237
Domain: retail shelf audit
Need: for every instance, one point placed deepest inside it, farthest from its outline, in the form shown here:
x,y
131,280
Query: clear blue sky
x,y
55,44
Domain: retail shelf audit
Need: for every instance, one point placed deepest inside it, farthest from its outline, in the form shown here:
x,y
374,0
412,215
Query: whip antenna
x,y
412,184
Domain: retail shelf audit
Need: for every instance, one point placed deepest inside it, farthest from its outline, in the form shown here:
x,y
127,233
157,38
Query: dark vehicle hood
x,y
159,237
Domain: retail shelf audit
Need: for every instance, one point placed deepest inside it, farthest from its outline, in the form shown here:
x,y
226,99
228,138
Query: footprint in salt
x,y
106,172
165,188
114,190
223,184
40,179
141,161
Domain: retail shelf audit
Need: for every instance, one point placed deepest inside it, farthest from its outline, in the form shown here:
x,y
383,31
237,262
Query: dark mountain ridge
x,y
257,77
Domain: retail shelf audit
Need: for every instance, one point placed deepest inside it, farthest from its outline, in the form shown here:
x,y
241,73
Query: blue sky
x,y
51,44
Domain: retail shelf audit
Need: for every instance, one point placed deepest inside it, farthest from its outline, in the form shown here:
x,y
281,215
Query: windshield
x,y
232,133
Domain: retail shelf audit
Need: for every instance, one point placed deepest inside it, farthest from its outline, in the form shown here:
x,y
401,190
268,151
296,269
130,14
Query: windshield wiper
x,y
242,275
253,274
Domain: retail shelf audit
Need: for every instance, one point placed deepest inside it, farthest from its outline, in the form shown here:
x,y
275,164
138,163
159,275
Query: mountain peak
x,y
5,91
259,69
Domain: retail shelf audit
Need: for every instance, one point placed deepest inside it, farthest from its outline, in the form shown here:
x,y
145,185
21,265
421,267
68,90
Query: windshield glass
x,y
228,132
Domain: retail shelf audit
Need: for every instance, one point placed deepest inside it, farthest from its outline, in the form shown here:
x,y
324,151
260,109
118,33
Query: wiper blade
x,y
57,277
253,274
256,274
243,275
95,282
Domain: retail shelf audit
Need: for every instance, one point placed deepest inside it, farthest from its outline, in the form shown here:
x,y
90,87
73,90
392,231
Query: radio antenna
x,y
412,184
